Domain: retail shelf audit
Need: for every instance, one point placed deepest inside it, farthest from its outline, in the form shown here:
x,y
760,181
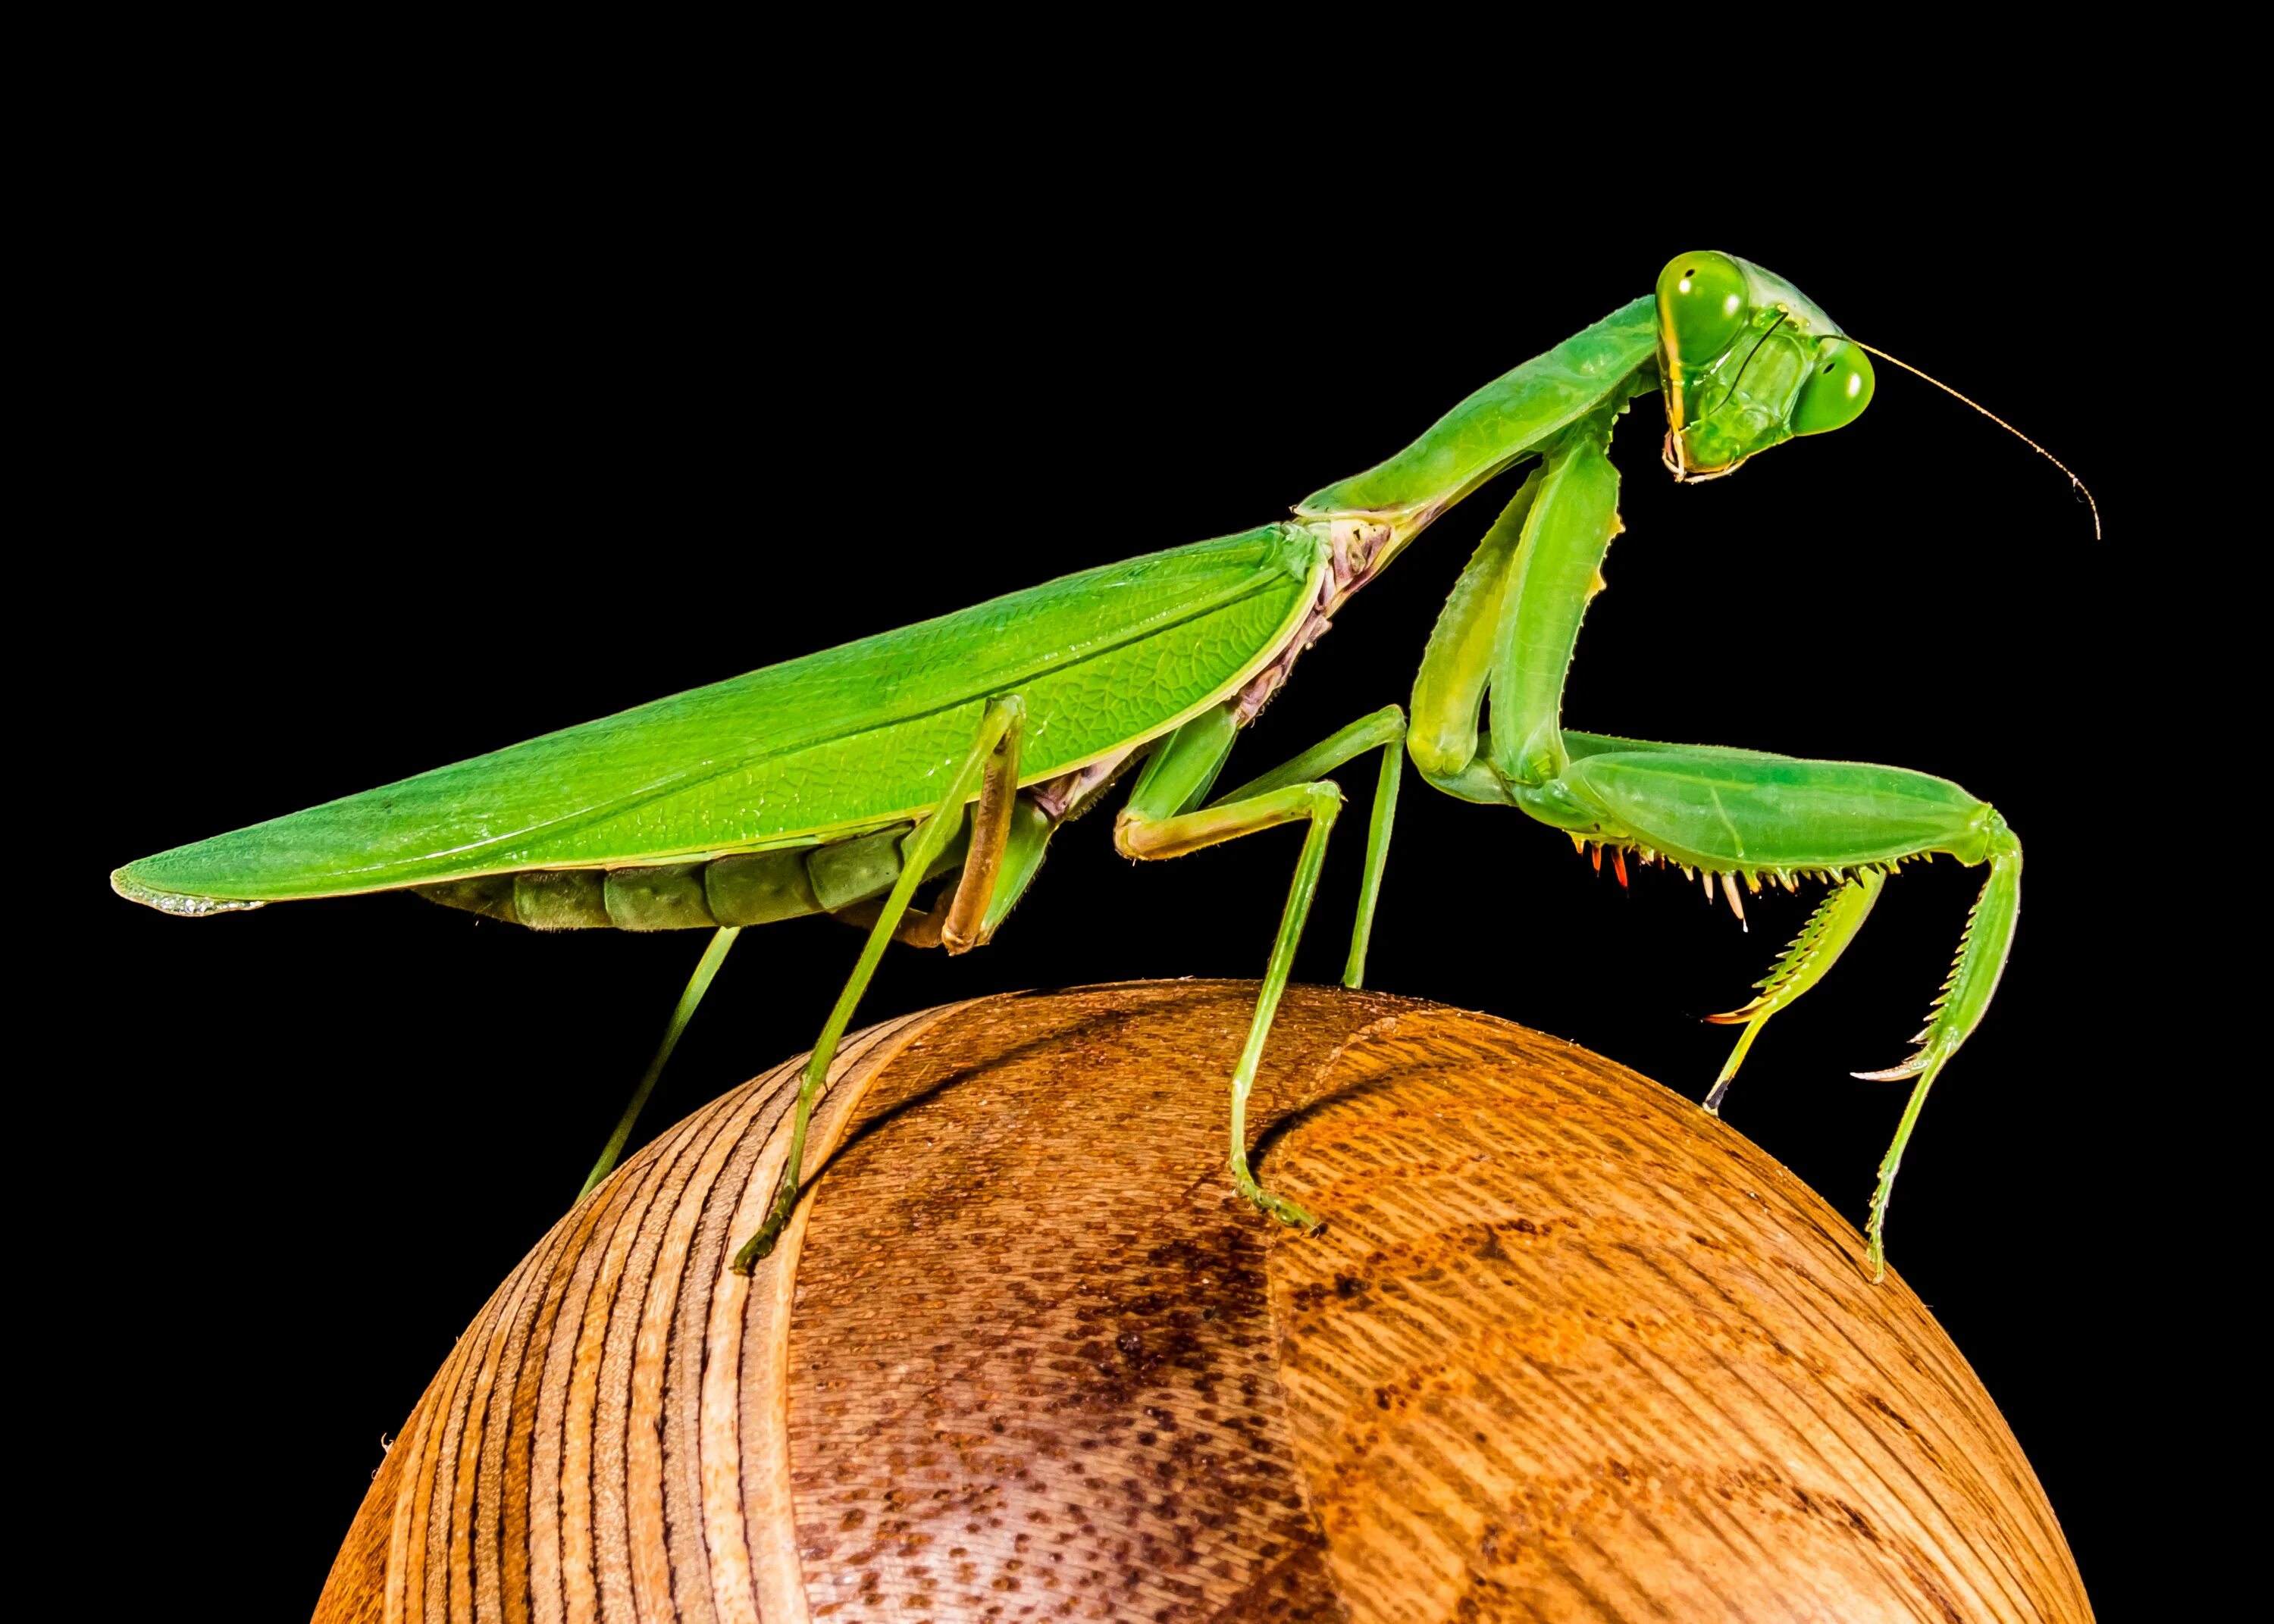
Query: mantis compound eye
x,y
1838,388
1701,306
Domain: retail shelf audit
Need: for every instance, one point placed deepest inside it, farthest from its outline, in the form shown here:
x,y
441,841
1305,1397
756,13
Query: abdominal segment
x,y
752,889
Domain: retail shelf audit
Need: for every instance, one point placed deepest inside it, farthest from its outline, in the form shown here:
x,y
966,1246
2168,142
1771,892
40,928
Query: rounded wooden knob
x,y
1568,1349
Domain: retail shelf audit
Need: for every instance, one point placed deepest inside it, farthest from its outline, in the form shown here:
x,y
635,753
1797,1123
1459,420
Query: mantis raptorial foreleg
x,y
1957,1010
1740,819
1799,967
1732,817
1160,821
992,768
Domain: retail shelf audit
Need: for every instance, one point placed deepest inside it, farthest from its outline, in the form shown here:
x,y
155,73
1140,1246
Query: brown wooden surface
x,y
1568,1348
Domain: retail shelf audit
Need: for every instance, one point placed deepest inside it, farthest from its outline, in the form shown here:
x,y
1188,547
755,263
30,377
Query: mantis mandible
x,y
953,750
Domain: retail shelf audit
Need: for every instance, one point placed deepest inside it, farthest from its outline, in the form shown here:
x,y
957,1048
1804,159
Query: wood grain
x,y
1568,1348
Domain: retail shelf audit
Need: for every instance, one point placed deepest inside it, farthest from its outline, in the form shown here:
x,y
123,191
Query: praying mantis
x,y
949,753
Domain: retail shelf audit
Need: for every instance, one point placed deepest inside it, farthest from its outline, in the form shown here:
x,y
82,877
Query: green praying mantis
x,y
950,752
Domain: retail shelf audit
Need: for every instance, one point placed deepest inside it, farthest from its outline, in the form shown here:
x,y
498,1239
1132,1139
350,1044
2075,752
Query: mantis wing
x,y
853,737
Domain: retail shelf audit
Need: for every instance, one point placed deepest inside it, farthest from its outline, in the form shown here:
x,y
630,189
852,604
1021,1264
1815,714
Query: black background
x,y
414,436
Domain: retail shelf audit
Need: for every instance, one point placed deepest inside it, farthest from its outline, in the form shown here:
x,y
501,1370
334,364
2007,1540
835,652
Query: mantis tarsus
x,y
839,782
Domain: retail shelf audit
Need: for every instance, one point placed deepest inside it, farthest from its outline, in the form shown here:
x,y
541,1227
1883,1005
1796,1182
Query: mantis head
x,y
1747,361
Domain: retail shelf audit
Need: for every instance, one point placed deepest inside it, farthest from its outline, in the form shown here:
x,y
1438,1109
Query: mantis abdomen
x,y
754,888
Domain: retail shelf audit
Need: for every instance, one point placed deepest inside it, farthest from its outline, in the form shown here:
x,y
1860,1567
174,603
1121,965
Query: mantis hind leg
x,y
1736,817
991,769
1009,833
706,968
1006,853
1163,818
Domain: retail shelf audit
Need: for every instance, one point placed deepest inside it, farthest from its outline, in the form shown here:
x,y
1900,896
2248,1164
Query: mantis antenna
x,y
1993,417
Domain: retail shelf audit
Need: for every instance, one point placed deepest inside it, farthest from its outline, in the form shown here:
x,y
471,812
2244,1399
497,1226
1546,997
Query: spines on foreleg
x,y
1957,1008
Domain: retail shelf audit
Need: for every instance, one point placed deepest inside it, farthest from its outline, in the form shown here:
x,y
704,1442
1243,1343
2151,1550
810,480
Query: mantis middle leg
x,y
1726,816
1164,818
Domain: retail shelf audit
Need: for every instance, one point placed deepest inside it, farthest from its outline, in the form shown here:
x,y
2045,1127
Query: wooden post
x,y
1568,1348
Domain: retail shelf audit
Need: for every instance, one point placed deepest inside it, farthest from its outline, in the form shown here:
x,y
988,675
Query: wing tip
x,y
180,903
